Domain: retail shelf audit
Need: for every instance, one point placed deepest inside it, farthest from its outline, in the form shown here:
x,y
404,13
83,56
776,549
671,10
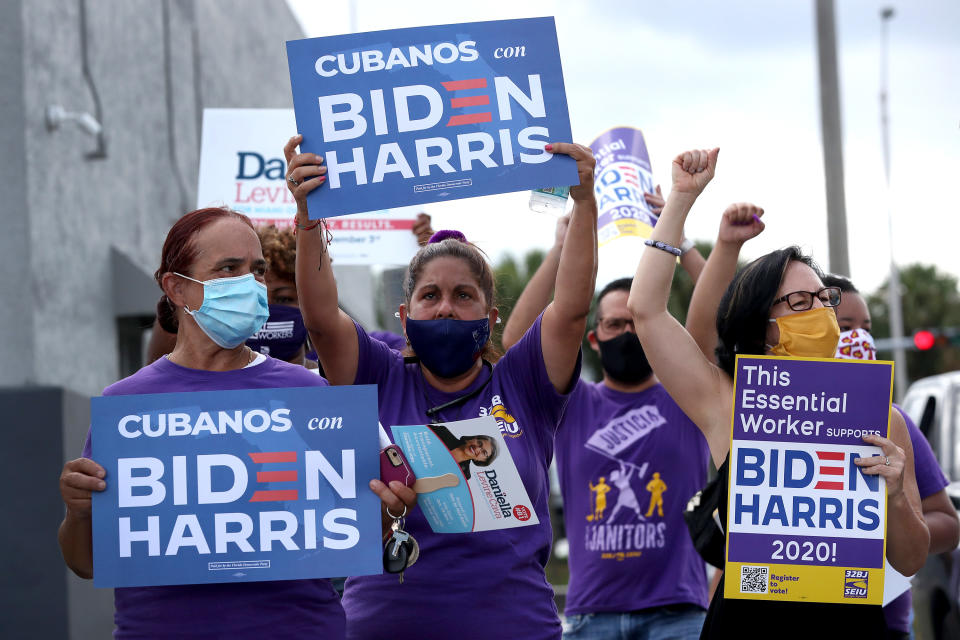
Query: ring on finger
x,y
293,181
886,460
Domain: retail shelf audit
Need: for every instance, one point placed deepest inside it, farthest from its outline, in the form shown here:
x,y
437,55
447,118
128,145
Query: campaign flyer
x,y
623,175
466,478
242,167
236,486
804,523
429,114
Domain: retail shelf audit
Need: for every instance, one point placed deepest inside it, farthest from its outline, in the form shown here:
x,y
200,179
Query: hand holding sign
x,y
890,465
740,222
655,201
585,166
78,479
693,170
301,167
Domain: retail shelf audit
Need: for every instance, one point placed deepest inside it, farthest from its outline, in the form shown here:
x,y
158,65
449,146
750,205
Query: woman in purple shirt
x,y
212,275
487,585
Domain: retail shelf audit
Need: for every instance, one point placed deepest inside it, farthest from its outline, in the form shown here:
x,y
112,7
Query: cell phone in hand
x,y
394,466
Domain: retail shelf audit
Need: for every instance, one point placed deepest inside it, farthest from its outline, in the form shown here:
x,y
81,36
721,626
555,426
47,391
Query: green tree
x,y
930,300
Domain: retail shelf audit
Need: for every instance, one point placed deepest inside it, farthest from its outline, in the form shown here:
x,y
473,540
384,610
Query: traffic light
x,y
924,340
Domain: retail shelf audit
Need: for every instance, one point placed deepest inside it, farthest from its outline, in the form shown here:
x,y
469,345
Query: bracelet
x,y
663,246
307,227
685,246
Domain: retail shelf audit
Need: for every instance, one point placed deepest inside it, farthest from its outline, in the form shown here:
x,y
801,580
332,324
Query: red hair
x,y
180,251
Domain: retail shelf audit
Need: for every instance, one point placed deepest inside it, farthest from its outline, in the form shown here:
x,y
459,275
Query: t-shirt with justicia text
x,y
295,609
470,586
628,464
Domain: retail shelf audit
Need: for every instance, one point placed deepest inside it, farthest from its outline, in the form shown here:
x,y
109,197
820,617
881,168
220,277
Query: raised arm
x,y
536,295
699,387
565,319
737,225
691,260
332,331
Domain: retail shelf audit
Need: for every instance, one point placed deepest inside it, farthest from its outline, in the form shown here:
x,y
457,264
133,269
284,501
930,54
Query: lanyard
x,y
434,412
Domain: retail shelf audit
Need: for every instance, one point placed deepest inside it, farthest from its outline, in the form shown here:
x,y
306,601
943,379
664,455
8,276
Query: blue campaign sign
x,y
410,116
236,486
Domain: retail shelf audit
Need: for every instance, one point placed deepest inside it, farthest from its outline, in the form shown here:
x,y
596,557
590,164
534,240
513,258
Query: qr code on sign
x,y
753,579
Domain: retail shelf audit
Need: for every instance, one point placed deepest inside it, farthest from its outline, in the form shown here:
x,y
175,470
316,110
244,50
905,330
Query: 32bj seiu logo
x,y
855,583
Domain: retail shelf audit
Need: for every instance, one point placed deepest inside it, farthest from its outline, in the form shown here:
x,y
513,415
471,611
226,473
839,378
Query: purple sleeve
x,y
930,478
375,359
526,371
392,340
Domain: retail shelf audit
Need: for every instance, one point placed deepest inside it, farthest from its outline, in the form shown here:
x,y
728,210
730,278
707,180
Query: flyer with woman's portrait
x,y
466,479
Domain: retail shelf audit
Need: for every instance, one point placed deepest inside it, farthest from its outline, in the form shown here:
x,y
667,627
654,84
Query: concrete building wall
x,y
154,66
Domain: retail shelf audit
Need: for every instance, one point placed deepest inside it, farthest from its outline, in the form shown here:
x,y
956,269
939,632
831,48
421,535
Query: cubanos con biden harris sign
x,y
411,116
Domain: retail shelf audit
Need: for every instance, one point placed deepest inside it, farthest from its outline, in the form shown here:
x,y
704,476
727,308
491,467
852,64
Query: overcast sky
x,y
741,75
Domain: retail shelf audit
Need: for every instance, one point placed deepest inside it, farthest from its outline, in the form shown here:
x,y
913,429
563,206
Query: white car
x,y
934,405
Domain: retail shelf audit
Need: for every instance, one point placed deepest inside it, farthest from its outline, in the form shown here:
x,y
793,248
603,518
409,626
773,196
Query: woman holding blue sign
x,y
777,305
212,275
449,292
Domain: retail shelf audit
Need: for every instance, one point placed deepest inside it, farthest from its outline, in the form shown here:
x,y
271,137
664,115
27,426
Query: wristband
x,y
663,246
685,246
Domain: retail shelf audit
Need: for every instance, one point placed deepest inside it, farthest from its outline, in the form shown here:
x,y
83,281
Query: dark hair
x,y
493,449
620,284
745,307
179,253
833,280
452,247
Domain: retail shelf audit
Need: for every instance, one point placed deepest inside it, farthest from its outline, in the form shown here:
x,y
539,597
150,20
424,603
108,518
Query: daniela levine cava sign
x,y
410,116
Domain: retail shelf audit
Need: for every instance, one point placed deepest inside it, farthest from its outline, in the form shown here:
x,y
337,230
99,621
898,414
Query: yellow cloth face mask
x,y
808,334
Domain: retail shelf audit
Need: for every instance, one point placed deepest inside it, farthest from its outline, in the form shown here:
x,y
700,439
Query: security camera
x,y
56,115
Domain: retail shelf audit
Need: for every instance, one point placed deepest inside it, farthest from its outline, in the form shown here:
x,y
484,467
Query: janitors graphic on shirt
x,y
600,499
626,498
508,424
656,487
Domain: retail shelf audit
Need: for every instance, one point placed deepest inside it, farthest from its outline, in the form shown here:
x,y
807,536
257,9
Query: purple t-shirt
x,y
469,586
628,464
930,480
308,609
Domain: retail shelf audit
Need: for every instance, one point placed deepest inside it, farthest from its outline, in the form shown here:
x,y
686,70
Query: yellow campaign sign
x,y
805,523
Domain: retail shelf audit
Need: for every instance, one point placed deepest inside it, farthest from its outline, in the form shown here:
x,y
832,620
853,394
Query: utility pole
x,y
832,138
893,290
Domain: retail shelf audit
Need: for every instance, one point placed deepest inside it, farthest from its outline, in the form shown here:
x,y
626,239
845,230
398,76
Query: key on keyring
x,y
400,551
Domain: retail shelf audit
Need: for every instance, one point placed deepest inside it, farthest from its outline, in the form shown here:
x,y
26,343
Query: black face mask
x,y
623,358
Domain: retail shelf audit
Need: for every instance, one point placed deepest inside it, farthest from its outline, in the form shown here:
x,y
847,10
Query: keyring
x,y
402,515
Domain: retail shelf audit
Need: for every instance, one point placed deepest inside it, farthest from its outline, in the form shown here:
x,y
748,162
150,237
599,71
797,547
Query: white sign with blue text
x,y
429,114
236,486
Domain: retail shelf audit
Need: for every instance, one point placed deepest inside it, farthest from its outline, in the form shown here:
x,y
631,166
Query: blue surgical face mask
x,y
448,347
233,309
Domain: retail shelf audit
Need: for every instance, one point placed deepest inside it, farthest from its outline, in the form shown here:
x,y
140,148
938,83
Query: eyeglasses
x,y
803,300
615,325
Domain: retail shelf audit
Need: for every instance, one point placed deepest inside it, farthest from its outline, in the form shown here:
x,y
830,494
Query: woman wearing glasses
x,y
777,305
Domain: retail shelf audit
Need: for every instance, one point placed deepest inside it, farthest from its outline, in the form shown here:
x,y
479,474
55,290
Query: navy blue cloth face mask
x,y
283,334
448,347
